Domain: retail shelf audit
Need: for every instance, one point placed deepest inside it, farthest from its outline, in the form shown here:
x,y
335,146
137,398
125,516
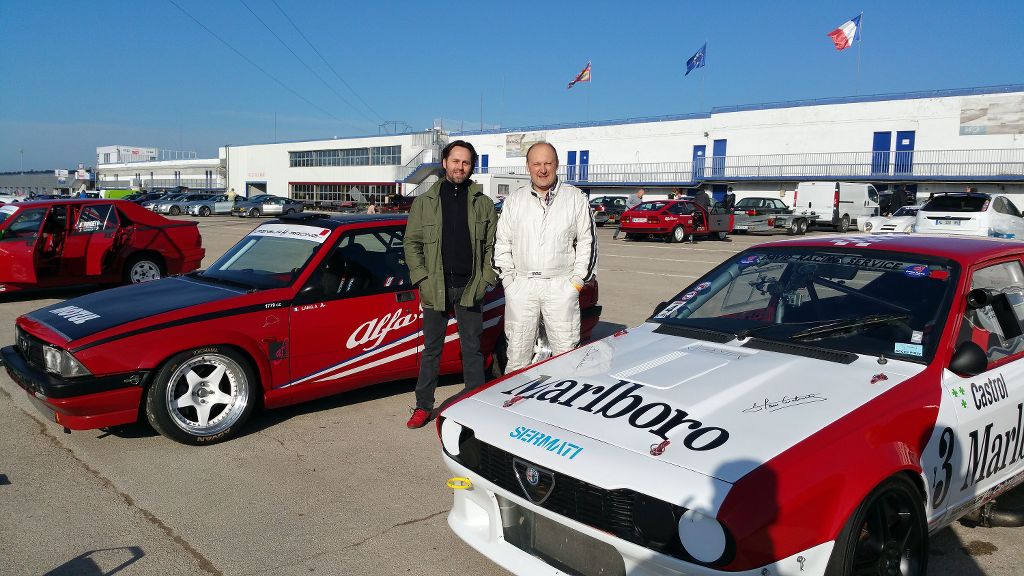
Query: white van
x,y
837,203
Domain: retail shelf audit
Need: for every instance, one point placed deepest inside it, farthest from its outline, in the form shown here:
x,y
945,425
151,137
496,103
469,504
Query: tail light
x,y
796,193
835,199
751,212
984,207
771,221
599,208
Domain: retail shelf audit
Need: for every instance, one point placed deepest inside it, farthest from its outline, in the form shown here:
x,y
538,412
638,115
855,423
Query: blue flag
x,y
697,60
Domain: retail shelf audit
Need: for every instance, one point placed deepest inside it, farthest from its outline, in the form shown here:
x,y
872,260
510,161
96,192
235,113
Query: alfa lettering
x,y
989,393
74,314
621,400
374,331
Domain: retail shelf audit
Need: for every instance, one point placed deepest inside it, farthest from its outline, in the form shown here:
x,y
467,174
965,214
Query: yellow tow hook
x,y
459,483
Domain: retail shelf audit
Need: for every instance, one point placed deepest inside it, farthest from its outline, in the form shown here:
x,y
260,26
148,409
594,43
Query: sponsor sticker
x,y
909,349
547,442
916,337
750,260
74,314
702,286
295,231
917,271
670,308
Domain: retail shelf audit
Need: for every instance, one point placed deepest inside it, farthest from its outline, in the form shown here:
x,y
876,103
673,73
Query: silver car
x,y
176,205
266,205
218,204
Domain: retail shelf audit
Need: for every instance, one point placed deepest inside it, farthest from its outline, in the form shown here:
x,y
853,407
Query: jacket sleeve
x,y
414,258
503,263
490,275
586,243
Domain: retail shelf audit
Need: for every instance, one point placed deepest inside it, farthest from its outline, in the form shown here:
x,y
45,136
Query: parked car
x,y
176,205
151,204
755,214
300,308
813,406
218,204
396,203
675,220
611,206
266,205
902,220
95,241
971,214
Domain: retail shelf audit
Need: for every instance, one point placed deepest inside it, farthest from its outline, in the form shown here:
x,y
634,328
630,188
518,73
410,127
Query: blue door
x,y
484,160
718,158
880,146
570,169
718,193
904,162
698,162
584,161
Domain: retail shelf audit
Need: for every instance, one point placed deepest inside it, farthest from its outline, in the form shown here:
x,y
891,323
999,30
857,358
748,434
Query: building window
x,y
375,156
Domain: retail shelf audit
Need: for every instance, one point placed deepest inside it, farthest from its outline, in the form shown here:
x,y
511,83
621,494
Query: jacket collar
x,y
434,192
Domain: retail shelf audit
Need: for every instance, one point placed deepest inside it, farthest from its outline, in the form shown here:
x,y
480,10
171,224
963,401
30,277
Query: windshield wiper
x,y
226,281
848,326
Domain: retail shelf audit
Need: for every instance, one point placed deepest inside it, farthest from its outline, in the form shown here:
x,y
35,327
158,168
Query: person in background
x,y
730,200
972,189
545,251
231,195
371,208
899,198
633,201
449,248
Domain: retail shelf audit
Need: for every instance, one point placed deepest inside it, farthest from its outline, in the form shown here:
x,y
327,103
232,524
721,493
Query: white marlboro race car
x,y
816,406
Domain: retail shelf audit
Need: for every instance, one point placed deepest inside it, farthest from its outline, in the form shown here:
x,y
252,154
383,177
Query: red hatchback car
x,y
675,220
92,241
300,308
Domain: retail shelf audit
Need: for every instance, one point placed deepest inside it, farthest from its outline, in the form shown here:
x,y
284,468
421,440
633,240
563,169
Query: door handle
x,y
405,297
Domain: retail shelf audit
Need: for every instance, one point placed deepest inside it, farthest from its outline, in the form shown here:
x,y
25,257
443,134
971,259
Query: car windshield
x,y
270,256
848,300
650,206
750,203
906,211
956,203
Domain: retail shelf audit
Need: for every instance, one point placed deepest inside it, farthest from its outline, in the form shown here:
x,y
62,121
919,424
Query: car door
x,y
357,319
91,240
221,204
20,245
988,448
273,206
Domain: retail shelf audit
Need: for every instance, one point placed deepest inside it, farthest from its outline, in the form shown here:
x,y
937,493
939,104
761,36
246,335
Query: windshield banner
x,y
298,232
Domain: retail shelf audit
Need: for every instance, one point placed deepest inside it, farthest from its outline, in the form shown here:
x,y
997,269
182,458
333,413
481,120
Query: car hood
x,y
93,313
717,409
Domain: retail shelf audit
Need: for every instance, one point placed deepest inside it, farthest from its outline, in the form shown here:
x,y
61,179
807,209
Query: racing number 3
x,y
941,488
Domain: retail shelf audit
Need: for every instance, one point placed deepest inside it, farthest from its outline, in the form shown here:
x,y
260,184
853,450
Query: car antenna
x,y
881,358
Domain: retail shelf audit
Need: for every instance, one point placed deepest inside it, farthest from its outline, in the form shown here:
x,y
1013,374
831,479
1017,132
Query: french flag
x,y
847,33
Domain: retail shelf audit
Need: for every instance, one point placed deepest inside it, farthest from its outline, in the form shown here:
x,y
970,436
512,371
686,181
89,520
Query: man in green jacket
x,y
449,247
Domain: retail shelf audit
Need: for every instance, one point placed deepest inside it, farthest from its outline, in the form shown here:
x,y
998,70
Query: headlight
x,y
867,226
450,433
702,537
61,362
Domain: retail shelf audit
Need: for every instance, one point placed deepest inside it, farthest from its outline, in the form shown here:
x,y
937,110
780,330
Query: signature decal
x,y
546,441
374,331
786,401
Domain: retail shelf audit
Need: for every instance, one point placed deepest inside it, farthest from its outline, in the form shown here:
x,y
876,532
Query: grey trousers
x,y
435,324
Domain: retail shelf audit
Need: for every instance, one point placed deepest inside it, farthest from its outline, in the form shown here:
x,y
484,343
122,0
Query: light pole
x,y
21,151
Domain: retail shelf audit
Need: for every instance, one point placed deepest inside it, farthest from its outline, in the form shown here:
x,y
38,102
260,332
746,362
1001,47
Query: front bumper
x,y
477,514
82,403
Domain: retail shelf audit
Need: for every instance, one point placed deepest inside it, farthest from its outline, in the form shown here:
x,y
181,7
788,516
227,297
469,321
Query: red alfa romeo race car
x,y
300,308
675,220
814,406
95,241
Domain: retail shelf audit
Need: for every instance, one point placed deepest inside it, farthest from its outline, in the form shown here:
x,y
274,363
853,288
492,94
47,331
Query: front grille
x,y
31,348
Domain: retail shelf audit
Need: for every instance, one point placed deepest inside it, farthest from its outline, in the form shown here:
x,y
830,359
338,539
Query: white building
x,y
929,141
133,167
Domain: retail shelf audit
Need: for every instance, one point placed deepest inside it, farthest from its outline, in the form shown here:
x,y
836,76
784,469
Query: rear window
x,y
956,203
650,206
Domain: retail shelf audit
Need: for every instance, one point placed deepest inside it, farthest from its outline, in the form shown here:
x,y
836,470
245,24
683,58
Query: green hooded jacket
x,y
423,246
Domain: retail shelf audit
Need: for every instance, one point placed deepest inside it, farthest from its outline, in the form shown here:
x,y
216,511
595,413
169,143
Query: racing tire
x,y
175,211
794,228
254,212
202,396
143,268
801,227
887,534
205,211
678,235
499,358
844,223
721,235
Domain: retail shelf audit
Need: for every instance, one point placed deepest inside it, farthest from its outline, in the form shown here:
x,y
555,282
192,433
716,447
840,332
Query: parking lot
x,y
337,486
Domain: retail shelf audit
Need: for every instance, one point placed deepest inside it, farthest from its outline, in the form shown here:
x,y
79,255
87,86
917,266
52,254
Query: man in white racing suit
x,y
545,250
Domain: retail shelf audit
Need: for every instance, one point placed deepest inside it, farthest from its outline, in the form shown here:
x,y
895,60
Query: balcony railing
x,y
995,164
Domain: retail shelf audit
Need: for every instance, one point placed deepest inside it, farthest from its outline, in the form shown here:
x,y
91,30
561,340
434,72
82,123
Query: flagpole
x,y
703,73
860,33
589,82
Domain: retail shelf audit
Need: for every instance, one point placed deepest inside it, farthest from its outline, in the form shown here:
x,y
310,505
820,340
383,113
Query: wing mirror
x,y
968,359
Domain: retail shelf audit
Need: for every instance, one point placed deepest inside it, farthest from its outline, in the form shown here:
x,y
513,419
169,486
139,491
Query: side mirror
x,y
968,359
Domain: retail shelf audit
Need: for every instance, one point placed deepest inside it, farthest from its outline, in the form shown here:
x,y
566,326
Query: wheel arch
x,y
261,372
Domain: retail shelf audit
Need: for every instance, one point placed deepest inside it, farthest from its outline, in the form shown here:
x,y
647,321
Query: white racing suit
x,y
542,251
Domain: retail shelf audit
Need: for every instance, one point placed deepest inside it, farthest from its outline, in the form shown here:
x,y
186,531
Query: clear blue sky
x,y
76,75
